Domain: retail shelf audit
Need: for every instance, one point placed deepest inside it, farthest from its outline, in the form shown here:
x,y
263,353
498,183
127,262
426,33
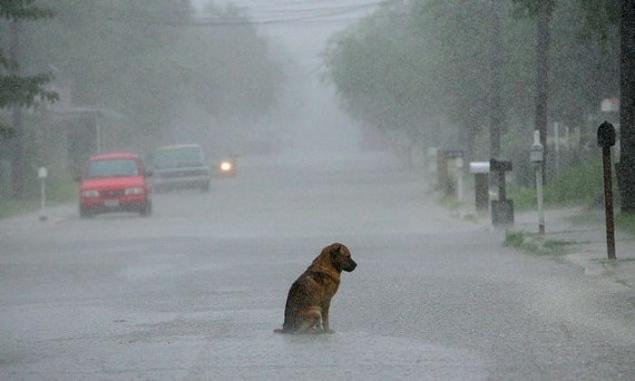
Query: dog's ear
x,y
335,248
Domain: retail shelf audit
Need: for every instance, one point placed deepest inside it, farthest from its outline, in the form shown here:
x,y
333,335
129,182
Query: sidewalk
x,y
55,215
580,232
584,233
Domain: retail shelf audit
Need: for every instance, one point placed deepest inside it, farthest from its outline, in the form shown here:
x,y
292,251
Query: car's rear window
x,y
178,157
113,168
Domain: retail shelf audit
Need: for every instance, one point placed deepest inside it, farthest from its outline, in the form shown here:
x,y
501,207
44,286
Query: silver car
x,y
180,166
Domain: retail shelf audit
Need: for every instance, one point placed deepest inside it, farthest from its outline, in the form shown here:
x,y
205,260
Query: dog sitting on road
x,y
309,299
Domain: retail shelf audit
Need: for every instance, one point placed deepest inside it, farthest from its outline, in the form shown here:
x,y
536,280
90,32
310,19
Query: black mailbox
x,y
606,135
500,165
503,208
452,153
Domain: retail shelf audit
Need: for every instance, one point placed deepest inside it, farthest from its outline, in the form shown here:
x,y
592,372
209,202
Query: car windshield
x,y
178,157
113,168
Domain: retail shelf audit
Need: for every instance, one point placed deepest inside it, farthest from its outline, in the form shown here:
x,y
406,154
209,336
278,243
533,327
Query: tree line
x,y
145,60
465,74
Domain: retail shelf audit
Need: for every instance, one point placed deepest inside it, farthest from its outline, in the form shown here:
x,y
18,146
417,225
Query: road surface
x,y
195,291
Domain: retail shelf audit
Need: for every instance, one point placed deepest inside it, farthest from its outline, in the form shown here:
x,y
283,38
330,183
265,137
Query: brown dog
x,y
309,299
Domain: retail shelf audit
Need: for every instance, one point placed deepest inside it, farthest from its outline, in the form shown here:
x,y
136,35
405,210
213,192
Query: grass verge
x,y
626,222
60,189
536,244
450,202
578,185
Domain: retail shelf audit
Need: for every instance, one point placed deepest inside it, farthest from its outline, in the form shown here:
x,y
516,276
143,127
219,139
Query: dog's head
x,y
340,257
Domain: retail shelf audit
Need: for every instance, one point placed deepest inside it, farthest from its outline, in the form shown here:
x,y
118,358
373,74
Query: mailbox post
x,y
442,171
445,180
503,208
481,185
606,139
42,174
459,178
536,156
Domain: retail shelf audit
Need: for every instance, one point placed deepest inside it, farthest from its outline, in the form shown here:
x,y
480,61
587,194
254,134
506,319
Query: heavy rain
x,y
355,190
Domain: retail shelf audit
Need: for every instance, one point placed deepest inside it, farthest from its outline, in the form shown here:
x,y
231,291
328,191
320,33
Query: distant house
x,y
77,132
60,135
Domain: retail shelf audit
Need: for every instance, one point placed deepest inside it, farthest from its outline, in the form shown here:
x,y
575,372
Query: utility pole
x,y
16,117
496,63
543,18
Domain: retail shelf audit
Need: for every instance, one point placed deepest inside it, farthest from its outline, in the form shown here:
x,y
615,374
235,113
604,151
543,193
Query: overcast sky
x,y
303,42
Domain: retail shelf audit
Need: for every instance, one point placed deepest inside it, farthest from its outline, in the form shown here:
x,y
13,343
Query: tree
x,y
600,17
626,171
18,91
153,63
542,11
445,62
496,111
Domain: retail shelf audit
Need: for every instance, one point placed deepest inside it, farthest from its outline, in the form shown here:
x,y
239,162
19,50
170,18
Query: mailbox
x,y
452,153
606,135
503,208
480,169
537,153
500,165
42,173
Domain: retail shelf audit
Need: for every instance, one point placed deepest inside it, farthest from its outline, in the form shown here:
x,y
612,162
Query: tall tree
x,y
496,66
541,11
600,17
543,19
152,62
627,106
19,91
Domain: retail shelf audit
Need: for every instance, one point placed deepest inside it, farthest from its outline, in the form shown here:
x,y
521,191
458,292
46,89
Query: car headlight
x,y
134,190
90,193
225,166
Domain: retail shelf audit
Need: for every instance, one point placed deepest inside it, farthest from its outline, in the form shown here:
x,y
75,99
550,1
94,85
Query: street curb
x,y
618,270
591,268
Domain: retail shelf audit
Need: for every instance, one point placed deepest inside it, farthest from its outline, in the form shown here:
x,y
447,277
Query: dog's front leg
x,y
325,318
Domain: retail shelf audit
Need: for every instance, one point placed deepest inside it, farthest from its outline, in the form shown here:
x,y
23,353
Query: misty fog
x,y
297,189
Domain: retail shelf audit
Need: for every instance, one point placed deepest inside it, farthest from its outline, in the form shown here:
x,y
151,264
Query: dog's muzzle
x,y
350,266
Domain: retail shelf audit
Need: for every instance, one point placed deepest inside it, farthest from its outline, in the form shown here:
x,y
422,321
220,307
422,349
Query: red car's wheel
x,y
146,209
84,212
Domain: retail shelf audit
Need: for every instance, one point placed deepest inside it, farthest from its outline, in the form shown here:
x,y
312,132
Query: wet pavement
x,y
195,291
583,230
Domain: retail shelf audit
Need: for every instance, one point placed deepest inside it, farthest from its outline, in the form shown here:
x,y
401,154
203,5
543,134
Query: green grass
x,y
514,238
626,222
451,202
585,218
10,208
578,185
60,189
535,244
606,261
524,198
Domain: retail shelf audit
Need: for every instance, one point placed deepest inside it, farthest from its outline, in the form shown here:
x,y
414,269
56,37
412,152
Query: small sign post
x,y
459,178
606,139
42,174
536,156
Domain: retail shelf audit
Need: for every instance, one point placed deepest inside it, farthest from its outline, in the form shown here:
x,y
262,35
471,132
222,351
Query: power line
x,y
316,15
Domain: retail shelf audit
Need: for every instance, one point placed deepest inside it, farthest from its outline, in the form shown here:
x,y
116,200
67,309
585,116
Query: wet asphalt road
x,y
195,291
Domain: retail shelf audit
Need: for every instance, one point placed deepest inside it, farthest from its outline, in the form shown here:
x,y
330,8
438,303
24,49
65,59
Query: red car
x,y
114,182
